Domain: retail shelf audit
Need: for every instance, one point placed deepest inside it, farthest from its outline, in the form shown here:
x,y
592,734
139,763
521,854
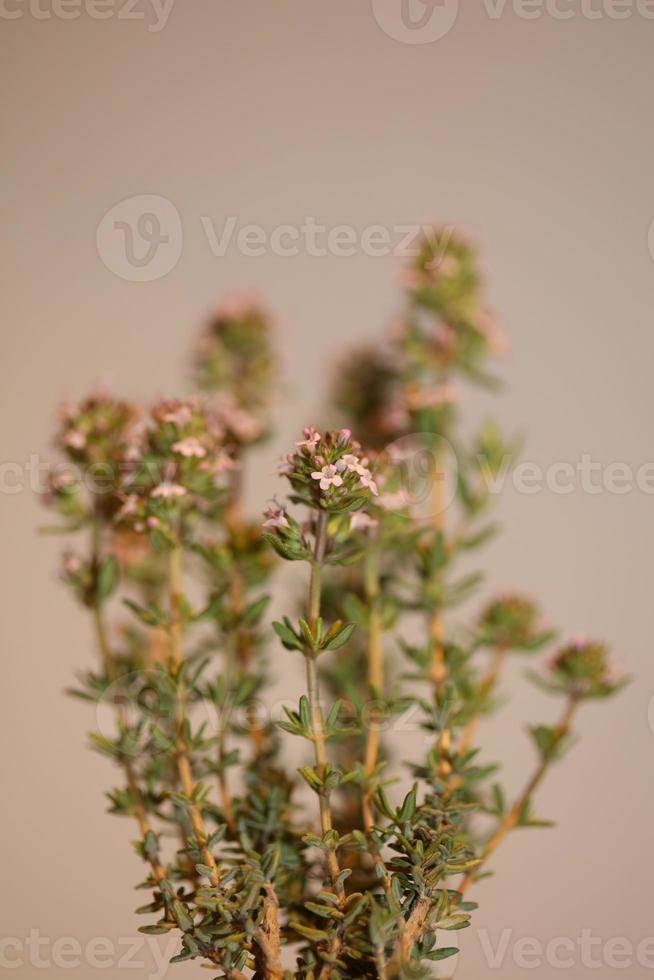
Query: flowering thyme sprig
x,y
580,671
329,477
235,362
509,623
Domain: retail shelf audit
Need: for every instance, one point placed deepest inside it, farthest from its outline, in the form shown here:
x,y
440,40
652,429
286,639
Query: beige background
x,y
537,135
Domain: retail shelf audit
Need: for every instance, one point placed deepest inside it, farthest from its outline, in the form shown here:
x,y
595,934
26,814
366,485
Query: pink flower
x,y
236,306
360,521
130,506
354,464
179,416
189,447
168,490
392,501
75,439
433,397
311,439
71,563
242,423
275,517
366,480
286,465
328,476
443,265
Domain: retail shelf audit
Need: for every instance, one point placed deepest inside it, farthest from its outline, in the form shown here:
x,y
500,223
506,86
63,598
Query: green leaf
x,y
408,808
254,612
307,932
443,953
288,636
340,638
106,578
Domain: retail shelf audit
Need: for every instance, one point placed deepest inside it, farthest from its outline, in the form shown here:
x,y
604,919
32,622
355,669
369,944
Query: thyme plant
x,y
258,881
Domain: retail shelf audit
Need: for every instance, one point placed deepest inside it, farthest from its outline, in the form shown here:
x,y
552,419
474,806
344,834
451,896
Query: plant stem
x,y
318,728
183,763
137,799
268,936
375,687
486,686
437,671
138,805
510,819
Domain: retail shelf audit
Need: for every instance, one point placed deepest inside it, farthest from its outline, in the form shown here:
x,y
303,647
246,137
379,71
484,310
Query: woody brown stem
x,y
268,936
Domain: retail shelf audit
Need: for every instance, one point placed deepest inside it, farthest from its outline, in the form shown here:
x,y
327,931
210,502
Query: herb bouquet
x,y
328,871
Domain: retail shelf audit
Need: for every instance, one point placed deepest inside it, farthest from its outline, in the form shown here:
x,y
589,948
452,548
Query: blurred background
x,y
527,123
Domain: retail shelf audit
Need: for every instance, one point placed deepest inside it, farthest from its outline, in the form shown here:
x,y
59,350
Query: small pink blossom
x,y
275,518
392,501
434,397
311,439
75,439
228,415
167,490
443,265
181,415
353,464
366,481
129,507
360,521
153,521
235,306
222,463
328,476
286,465
190,447
71,563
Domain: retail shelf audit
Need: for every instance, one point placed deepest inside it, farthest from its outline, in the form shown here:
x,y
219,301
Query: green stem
x,y
318,729
138,805
182,757
375,688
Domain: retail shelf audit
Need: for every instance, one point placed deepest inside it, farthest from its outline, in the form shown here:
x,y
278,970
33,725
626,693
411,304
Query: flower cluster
x,y
98,431
512,622
235,359
583,669
329,472
177,470
98,436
